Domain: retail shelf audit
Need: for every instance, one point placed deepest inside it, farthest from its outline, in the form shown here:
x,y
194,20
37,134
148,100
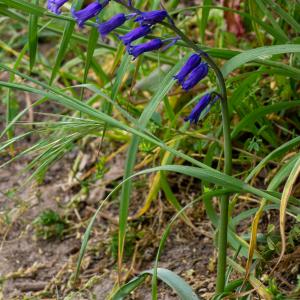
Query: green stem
x,y
223,223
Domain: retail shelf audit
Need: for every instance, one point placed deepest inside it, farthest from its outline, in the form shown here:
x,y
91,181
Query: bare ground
x,y
35,268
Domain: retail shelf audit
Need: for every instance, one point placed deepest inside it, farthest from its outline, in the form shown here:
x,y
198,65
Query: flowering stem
x,y
223,222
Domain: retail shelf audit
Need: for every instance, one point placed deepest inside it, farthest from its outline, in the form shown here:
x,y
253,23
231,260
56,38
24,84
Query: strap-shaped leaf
x,y
25,6
254,54
33,36
182,289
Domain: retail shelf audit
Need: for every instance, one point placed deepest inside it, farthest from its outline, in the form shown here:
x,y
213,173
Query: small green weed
x,y
49,224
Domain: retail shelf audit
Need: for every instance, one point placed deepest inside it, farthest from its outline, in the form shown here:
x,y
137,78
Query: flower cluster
x,y
193,71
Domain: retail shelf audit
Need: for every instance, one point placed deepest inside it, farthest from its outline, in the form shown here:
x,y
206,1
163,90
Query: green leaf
x,y
283,173
63,47
254,54
269,29
284,15
282,37
182,289
65,42
33,36
274,154
254,11
204,18
92,43
25,6
252,117
166,85
155,4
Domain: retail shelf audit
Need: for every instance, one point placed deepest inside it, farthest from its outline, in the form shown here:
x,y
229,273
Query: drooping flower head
x,y
151,17
55,5
135,34
195,76
204,103
193,62
92,10
106,27
154,44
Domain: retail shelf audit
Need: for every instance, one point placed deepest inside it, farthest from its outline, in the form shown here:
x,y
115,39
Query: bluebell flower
x,y
135,34
154,44
195,76
204,103
193,62
151,17
92,10
106,27
55,5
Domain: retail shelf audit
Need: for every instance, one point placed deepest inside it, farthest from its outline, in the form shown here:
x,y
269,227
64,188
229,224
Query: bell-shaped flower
x,y
193,62
135,34
55,5
106,27
204,104
151,17
90,11
195,76
152,45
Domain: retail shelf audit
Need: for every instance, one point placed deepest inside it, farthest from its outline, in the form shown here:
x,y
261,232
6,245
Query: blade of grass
x,y
284,15
167,232
211,175
272,155
259,286
92,43
287,191
155,4
23,5
11,116
33,36
252,117
269,29
258,214
253,13
63,47
283,173
204,18
253,54
282,38
191,171
182,289
167,83
64,44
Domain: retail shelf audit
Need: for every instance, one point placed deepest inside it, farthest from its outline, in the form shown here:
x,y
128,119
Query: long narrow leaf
x,y
182,289
253,54
33,36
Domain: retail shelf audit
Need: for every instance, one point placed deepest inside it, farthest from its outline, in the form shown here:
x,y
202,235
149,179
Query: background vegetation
x,y
78,113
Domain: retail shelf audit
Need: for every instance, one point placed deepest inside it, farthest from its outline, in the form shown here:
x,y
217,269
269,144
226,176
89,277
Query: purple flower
x,y
193,62
135,34
55,5
154,44
90,11
151,17
106,27
195,76
204,102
